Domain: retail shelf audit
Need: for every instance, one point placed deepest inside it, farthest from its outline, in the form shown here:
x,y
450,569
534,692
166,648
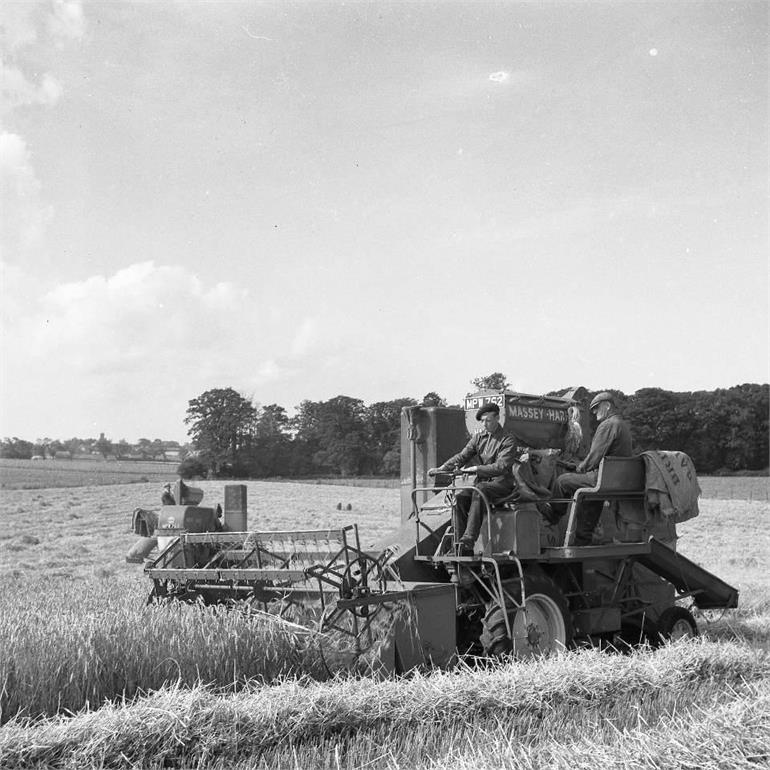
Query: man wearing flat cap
x,y
496,451
612,439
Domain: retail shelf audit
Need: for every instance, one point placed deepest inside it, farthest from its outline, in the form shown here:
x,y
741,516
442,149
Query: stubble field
x,y
191,687
47,474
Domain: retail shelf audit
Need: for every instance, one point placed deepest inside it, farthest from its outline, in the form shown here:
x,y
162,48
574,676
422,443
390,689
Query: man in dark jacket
x,y
612,439
496,451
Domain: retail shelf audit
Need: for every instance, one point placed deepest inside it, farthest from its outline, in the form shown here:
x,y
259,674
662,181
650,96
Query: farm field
x,y
28,474
40,474
736,487
75,634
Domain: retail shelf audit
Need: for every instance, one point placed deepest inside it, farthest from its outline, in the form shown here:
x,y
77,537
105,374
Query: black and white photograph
x,y
384,384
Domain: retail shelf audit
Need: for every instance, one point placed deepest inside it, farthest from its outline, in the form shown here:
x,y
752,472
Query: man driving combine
x,y
496,451
612,439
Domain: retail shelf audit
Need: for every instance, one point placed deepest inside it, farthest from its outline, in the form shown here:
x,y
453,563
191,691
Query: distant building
x,y
172,450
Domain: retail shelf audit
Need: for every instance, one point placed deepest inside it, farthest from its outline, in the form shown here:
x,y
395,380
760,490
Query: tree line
x,y
340,437
144,449
724,430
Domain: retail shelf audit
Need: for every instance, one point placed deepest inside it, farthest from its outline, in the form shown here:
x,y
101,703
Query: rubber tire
x,y
546,602
677,623
494,638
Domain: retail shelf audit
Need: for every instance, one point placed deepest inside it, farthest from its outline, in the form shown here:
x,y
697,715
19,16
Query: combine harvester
x,y
411,601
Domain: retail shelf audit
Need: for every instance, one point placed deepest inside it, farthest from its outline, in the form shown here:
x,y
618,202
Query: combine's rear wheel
x,y
677,623
542,627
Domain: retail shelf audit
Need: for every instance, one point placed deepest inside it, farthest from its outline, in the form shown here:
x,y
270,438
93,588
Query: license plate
x,y
475,402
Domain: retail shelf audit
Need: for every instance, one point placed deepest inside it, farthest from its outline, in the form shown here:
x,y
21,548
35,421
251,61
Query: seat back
x,y
619,478
621,474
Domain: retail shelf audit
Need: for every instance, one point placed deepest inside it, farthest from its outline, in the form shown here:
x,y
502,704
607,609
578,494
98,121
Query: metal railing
x,y
450,495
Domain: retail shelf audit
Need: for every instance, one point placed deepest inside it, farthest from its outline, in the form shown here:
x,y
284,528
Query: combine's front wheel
x,y
542,627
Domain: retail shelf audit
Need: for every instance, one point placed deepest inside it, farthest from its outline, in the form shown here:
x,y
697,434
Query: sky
x,y
374,199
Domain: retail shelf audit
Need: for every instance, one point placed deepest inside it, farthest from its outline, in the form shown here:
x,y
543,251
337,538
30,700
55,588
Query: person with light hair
x,y
612,439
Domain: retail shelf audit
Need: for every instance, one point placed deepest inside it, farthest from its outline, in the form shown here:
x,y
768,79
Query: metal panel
x,y
596,621
235,514
516,530
191,518
277,575
430,435
710,592
539,422
426,633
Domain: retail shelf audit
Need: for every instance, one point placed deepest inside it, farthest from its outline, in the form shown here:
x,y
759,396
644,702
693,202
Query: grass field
x,y
76,636
695,705
41,474
28,474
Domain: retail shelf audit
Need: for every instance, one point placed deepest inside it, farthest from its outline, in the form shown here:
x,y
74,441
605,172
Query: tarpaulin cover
x,y
672,488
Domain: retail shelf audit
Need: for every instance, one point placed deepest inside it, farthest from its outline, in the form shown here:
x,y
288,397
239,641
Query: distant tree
x,y
150,450
494,381
144,448
192,467
272,421
433,399
221,427
73,445
41,446
391,462
271,448
732,428
16,448
103,446
757,427
659,419
725,429
122,449
305,426
383,420
341,436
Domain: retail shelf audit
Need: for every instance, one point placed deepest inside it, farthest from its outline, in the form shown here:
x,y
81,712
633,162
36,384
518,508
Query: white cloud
x,y
139,317
18,295
500,77
17,90
23,27
24,214
305,337
17,26
66,20
26,23
269,370
114,351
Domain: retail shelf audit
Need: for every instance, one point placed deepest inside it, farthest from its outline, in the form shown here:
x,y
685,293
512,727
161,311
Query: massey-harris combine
x,y
412,600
